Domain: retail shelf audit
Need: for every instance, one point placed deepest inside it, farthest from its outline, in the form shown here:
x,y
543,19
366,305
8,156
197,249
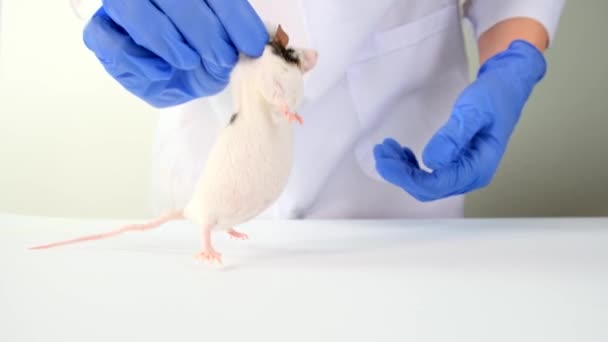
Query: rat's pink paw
x,y
237,235
209,256
291,116
296,117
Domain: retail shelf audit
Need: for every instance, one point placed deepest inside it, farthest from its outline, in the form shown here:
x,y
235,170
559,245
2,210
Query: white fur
x,y
251,159
249,164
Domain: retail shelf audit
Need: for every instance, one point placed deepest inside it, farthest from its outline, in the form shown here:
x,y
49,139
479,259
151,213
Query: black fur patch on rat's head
x,y
233,118
289,55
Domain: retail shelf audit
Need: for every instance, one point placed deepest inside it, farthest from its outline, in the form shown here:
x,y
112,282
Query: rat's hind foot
x,y
209,255
207,252
237,235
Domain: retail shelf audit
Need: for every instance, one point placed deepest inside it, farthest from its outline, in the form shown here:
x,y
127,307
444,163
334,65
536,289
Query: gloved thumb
x,y
453,137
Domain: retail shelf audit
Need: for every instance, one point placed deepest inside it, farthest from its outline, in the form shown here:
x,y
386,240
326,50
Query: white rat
x,y
249,164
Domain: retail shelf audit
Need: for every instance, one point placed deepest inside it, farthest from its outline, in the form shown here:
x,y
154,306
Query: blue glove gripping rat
x,y
466,152
170,52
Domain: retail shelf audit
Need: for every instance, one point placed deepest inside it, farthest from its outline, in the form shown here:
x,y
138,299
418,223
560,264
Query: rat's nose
x,y
310,59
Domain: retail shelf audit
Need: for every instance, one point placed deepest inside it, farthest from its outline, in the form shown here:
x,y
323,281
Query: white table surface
x,y
443,280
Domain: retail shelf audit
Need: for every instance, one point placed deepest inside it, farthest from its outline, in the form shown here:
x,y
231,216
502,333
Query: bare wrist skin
x,y
499,36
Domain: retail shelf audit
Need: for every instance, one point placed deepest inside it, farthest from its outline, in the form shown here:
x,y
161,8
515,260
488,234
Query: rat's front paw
x,y
291,117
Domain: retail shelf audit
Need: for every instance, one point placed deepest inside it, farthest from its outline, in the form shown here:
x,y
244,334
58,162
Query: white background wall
x,y
74,143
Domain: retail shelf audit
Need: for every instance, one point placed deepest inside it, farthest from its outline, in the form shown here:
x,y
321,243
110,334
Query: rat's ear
x,y
281,37
309,59
276,33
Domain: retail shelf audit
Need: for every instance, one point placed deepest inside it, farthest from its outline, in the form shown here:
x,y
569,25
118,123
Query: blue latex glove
x,y
169,52
465,153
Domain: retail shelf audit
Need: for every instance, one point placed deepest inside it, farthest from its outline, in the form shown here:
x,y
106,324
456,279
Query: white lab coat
x,y
387,68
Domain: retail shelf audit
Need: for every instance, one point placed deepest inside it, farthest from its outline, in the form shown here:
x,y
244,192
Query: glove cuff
x,y
521,60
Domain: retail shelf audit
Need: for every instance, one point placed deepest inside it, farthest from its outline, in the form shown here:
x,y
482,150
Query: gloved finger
x,y
381,152
392,149
423,185
119,53
410,157
150,28
403,175
201,28
141,72
243,25
393,146
183,86
403,153
447,144
472,170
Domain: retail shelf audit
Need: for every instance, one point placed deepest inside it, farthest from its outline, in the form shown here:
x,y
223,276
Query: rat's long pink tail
x,y
176,215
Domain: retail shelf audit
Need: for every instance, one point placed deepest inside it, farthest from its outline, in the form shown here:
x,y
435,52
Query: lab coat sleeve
x,y
483,14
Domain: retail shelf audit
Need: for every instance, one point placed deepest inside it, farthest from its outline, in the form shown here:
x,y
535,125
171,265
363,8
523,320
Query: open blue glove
x,y
465,153
169,52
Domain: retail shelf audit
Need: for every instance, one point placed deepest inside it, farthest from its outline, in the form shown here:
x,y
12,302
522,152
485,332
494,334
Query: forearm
x,y
499,36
